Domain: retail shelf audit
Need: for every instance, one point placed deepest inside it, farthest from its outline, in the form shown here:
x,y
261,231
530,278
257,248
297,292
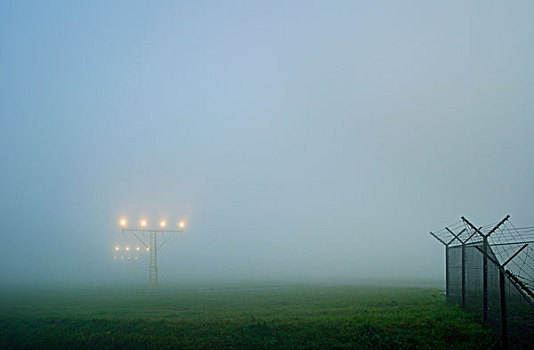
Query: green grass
x,y
248,317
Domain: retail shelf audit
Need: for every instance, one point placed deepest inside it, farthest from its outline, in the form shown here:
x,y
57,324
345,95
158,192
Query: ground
x,y
237,317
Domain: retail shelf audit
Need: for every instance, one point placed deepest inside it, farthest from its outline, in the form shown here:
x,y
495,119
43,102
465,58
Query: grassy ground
x,y
246,317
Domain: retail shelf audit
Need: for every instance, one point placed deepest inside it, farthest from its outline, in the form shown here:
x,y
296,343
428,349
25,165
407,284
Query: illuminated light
x,y
123,222
163,223
147,249
137,248
127,248
143,223
181,224
117,248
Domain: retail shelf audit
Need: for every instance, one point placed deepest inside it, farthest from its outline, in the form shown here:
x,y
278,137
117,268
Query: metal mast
x,y
153,263
152,245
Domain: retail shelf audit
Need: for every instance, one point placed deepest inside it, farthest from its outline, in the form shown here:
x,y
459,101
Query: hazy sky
x,y
299,140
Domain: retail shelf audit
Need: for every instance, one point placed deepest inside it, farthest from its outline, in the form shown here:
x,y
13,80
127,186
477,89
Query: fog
x,y
299,141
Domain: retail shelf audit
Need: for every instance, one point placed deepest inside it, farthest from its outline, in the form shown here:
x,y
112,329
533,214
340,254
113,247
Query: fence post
x,y
447,291
485,262
446,265
485,281
504,325
463,276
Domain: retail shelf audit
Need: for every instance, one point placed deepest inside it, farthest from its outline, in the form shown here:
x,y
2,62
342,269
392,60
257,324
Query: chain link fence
x,y
490,272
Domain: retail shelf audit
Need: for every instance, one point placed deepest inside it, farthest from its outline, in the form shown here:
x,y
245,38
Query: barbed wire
x,y
505,241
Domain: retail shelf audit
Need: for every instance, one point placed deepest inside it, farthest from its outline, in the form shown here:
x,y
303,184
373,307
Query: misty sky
x,y
298,139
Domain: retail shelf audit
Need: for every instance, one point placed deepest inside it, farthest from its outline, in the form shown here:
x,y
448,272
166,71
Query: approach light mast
x,y
152,245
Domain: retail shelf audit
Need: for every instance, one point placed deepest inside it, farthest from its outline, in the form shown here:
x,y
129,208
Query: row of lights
x,y
127,258
143,223
127,248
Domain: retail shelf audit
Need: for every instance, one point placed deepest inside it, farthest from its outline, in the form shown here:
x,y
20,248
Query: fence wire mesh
x,y
454,271
519,316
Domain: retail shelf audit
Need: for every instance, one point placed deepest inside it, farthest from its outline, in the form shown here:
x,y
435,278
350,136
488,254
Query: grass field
x,y
238,317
